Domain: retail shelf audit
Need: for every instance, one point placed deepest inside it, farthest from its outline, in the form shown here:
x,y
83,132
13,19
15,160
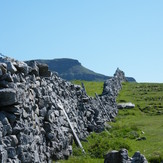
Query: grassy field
x,y
147,96
91,87
138,129
147,117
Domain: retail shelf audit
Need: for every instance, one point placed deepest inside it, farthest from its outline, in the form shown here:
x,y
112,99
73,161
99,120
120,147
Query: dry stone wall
x,y
33,126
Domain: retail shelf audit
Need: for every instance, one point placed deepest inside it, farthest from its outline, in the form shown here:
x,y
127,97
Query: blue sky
x,y
101,34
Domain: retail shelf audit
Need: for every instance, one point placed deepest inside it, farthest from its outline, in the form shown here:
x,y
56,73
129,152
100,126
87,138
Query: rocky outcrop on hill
x,y
37,108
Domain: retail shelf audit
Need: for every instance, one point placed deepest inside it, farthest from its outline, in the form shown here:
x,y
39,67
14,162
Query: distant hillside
x,y
71,69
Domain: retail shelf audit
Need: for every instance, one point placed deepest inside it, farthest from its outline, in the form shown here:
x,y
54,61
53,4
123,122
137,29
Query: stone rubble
x,y
122,157
33,128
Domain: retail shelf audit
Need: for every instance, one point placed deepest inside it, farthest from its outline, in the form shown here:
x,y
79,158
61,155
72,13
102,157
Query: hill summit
x,y
72,69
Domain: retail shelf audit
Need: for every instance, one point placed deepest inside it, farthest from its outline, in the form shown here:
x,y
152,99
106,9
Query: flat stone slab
x,y
127,105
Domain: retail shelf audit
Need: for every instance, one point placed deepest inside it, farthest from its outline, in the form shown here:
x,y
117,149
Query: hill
x,y
71,69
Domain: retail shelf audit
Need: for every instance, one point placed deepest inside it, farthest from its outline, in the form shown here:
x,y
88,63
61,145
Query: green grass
x,y
144,121
81,160
151,126
91,87
147,96
147,116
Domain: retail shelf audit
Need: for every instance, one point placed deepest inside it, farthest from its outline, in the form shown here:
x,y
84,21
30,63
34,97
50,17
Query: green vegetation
x,y
147,97
138,129
91,87
147,116
81,159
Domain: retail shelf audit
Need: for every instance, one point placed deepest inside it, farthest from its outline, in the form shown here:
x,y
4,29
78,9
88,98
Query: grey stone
x,y
120,75
15,78
3,119
88,113
138,158
0,136
14,140
20,95
91,127
52,136
27,157
6,129
33,68
6,141
36,119
14,110
16,160
56,112
85,99
4,84
3,155
13,160
25,114
11,152
11,117
36,157
112,86
24,139
7,97
10,67
50,116
19,127
122,157
22,67
43,70
66,153
3,67
1,73
112,157
21,78
141,138
42,112
7,77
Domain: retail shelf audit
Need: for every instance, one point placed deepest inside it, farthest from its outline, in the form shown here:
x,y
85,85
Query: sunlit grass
x,y
91,87
82,160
